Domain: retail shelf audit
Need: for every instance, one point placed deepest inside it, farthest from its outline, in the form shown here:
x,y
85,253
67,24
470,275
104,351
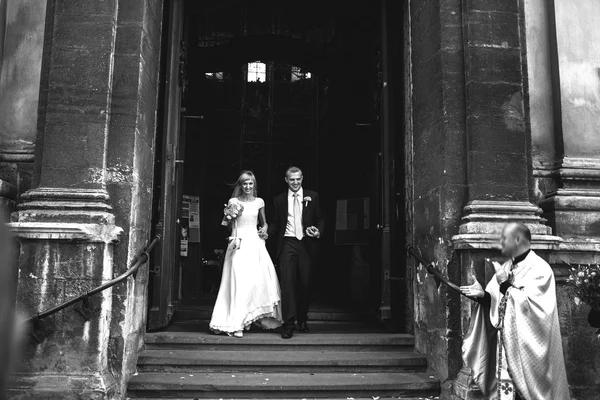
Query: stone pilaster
x,y
21,41
498,146
573,206
66,226
498,150
572,203
498,156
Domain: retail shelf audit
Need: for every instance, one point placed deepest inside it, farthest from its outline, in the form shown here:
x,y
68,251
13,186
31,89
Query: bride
x,y
249,291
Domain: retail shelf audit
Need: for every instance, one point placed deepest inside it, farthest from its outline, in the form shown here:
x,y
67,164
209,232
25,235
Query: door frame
x,y
166,258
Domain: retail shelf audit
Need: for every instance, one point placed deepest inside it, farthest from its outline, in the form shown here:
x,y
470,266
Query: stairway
x,y
338,359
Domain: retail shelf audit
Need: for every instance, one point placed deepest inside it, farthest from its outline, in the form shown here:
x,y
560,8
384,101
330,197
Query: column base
x,y
66,249
484,220
573,208
65,214
43,386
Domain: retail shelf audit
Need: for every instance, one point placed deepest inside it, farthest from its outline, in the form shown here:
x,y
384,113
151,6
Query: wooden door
x,y
166,258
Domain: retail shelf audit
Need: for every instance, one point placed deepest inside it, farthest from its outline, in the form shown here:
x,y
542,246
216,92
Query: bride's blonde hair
x,y
244,176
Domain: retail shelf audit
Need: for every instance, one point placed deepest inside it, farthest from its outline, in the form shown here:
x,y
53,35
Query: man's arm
x,y
486,300
476,292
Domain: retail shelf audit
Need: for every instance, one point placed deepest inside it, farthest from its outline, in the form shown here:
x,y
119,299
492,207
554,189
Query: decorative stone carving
x,y
66,231
573,208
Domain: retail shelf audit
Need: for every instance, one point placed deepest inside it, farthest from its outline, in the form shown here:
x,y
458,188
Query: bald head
x,y
519,229
516,239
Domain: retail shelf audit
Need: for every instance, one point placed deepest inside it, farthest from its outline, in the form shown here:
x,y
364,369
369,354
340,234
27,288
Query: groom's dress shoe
x,y
303,327
287,333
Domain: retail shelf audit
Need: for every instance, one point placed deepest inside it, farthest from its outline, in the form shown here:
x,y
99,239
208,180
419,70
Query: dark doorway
x,y
265,86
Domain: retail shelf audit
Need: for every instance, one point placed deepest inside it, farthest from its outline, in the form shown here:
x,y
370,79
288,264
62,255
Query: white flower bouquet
x,y
232,212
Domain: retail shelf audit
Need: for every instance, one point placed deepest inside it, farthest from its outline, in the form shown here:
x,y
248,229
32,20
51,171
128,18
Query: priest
x,y
513,345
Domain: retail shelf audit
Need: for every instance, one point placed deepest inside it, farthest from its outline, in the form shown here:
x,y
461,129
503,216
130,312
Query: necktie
x,y
297,217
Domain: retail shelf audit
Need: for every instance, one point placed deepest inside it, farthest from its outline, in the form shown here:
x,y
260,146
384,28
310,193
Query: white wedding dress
x,y
249,291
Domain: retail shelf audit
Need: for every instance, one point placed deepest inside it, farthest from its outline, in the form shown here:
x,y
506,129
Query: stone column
x,y
498,147
65,225
21,42
498,144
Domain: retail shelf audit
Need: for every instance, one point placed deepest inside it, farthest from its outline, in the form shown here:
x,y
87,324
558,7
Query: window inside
x,y
298,74
218,76
257,72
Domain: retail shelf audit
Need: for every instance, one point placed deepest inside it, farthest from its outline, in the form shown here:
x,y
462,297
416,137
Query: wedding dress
x,y
249,291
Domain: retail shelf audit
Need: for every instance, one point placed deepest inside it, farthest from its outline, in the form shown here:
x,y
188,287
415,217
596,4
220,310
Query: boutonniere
x,y
306,200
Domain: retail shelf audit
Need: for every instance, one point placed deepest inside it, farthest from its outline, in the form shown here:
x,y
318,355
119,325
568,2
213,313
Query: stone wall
x,y
88,213
130,169
439,167
562,64
472,160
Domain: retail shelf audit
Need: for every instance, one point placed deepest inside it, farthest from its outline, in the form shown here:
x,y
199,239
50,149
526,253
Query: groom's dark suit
x,y
296,256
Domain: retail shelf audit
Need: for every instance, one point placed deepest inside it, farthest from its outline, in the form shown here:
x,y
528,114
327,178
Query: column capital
x,y
484,220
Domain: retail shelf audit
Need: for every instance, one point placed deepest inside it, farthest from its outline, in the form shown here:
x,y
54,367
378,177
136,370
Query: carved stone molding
x,y
582,169
579,186
484,219
66,231
59,213
573,207
17,151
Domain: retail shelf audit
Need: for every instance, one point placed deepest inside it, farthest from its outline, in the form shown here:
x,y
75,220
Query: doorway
x,y
263,87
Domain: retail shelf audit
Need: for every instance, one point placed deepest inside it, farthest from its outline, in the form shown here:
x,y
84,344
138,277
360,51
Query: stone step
x,y
273,341
205,312
423,397
196,325
281,385
279,361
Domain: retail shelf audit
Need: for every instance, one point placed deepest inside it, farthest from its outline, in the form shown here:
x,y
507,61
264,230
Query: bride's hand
x,y
262,232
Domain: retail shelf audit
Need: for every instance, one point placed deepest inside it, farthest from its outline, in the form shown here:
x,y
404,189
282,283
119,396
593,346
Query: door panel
x,y
166,260
387,162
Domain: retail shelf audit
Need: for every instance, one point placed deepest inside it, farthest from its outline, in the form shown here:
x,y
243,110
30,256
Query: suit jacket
x,y
311,216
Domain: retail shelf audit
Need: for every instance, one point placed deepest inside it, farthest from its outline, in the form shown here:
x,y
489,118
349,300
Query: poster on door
x,y
190,216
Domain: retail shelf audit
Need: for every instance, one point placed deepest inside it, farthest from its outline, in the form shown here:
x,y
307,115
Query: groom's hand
x,y
313,232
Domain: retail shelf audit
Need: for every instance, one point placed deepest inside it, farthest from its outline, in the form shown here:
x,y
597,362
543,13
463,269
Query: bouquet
x,y
232,212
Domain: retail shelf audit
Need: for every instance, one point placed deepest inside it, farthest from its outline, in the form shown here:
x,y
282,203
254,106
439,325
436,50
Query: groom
x,y
298,224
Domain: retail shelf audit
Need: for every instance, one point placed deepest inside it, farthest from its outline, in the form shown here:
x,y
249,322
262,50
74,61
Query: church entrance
x,y
263,87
